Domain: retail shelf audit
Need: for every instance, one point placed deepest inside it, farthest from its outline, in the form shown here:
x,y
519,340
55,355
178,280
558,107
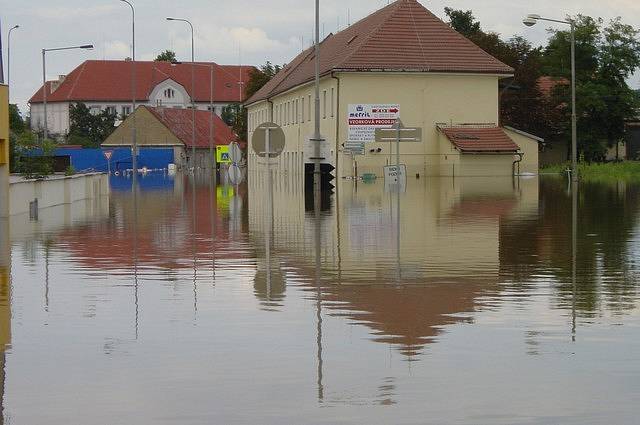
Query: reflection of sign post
x,y
108,155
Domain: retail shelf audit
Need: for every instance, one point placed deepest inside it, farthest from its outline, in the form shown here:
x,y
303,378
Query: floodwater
x,y
243,305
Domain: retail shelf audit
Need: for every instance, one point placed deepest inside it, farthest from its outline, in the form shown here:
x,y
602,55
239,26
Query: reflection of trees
x,y
607,216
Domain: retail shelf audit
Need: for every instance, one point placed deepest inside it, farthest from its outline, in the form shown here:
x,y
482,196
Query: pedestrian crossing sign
x,y
222,155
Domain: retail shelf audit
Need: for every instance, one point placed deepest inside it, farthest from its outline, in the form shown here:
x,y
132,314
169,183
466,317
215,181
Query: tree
x,y
235,116
606,56
521,103
16,123
166,56
258,77
89,129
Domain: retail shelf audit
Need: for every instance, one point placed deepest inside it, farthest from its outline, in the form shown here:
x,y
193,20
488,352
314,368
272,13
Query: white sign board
x,y
363,119
395,173
235,152
310,149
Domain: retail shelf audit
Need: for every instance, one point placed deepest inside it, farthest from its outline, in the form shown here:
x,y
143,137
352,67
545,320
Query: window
x,y
324,104
331,106
302,109
126,110
297,117
169,93
309,113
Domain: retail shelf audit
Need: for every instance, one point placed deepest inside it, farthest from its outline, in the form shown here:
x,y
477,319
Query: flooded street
x,y
454,302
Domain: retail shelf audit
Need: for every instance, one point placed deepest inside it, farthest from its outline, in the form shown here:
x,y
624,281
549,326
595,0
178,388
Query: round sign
x,y
276,140
235,174
235,153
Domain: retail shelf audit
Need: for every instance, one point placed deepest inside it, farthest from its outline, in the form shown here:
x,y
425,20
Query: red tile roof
x,y
110,81
403,36
179,122
547,84
475,139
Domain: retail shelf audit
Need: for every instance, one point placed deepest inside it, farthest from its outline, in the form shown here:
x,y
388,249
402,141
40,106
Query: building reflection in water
x,y
5,305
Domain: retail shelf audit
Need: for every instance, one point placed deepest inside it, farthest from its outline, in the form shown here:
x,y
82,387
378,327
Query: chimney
x,y
58,82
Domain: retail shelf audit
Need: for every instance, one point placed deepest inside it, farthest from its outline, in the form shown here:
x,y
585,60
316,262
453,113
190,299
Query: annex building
x,y
171,129
399,62
106,85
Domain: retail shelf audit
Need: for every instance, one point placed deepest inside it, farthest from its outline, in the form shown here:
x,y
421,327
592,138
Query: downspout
x,y
337,117
517,161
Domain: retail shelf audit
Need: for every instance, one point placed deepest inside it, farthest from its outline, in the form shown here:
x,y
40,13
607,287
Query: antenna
x,y
348,17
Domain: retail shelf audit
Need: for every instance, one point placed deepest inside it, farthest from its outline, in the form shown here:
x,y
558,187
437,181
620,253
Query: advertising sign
x,y
363,119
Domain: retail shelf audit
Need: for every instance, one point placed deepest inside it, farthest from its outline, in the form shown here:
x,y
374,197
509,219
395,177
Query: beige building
x,y
173,128
4,150
400,62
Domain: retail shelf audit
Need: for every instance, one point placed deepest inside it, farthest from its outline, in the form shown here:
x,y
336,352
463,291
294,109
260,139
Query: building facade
x,y
440,80
106,85
172,128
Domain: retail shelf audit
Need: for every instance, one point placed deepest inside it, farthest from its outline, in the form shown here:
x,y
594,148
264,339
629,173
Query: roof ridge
x,y
395,6
75,81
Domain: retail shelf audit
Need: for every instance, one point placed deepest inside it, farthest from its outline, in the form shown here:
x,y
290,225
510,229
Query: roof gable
x,y
403,36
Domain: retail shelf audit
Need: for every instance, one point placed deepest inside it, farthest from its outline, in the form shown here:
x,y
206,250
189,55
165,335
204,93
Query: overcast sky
x,y
252,31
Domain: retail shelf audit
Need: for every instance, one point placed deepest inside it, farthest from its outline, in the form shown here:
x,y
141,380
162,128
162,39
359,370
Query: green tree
x,y
258,77
166,56
606,56
235,116
16,123
89,129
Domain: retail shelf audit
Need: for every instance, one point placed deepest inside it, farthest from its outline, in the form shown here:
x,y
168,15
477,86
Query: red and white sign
x,y
107,154
363,119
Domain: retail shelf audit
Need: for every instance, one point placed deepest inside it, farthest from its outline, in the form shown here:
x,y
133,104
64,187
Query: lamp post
x,y
530,21
44,78
134,142
9,54
193,95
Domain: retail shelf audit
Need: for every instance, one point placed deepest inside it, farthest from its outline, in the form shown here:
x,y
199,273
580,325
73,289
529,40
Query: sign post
x,y
402,134
108,155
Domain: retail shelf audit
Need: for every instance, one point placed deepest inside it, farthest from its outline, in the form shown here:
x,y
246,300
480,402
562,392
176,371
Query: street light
x,y
134,143
9,54
193,94
212,157
44,79
530,21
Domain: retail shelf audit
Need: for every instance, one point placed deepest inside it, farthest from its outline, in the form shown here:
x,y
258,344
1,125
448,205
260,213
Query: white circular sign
x,y
235,153
235,174
276,140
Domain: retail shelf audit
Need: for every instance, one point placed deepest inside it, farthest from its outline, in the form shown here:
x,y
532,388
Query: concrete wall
x,y
530,150
54,191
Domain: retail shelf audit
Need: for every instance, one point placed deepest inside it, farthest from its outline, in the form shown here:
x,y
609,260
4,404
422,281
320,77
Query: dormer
x,y
169,93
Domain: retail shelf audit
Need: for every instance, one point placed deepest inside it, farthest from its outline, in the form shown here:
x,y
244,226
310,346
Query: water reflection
x,y
381,297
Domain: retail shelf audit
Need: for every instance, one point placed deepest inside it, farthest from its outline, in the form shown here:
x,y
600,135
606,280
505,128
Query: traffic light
x,y
326,185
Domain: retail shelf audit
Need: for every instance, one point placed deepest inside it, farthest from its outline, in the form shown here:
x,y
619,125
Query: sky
x,y
229,32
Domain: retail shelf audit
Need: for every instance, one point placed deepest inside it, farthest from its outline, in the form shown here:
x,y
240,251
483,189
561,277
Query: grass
x,y
610,171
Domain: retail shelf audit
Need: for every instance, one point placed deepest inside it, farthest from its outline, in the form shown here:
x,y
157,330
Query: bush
x,y
70,171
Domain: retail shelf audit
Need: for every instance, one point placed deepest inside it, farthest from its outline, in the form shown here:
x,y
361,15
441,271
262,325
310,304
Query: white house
x,y
106,84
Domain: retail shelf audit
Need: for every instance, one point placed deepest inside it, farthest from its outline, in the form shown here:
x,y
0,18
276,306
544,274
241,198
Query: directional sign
x,y
354,147
406,134
235,153
276,140
107,155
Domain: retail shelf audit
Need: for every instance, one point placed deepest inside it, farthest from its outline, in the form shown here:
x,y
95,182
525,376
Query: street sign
x,y
107,155
235,153
222,155
235,174
354,147
276,140
406,134
395,173
364,119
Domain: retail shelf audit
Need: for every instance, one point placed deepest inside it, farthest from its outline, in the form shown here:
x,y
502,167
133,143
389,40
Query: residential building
x,y
163,128
106,85
4,149
400,61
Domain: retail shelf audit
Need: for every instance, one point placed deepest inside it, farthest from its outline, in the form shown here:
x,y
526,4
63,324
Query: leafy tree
x,y
16,123
166,56
88,129
235,116
606,56
258,77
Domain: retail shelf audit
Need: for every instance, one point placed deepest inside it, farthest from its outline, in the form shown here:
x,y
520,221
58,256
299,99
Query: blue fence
x,y
94,159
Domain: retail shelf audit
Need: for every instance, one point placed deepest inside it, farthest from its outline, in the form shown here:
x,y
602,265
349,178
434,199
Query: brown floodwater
x,y
466,301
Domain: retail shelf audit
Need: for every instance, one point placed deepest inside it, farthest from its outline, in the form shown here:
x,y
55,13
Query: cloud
x,y
73,13
116,49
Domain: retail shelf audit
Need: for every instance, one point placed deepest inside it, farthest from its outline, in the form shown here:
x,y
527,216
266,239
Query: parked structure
x,y
399,61
164,128
106,85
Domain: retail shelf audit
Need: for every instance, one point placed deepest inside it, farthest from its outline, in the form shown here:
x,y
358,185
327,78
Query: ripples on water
x,y
213,305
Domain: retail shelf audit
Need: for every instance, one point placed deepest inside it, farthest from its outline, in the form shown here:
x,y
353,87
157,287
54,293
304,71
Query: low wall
x,y
56,190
